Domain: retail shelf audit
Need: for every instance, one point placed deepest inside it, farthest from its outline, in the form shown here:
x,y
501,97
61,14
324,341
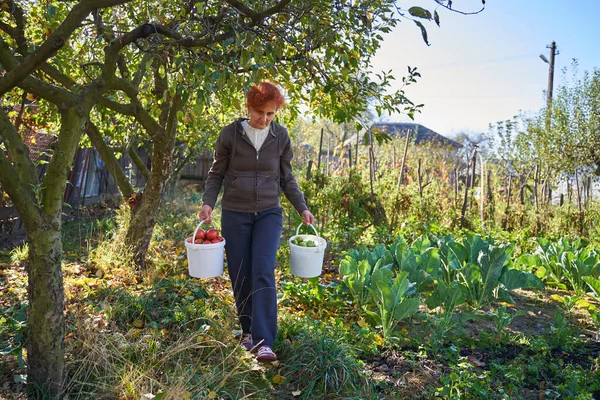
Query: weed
x,y
319,362
19,254
13,323
502,319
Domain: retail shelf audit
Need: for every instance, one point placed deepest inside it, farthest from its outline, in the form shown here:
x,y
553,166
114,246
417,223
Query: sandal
x,y
265,354
247,341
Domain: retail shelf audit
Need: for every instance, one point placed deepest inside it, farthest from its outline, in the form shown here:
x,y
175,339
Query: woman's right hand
x,y
206,213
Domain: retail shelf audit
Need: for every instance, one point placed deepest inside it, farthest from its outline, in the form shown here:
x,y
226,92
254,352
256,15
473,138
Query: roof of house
x,y
424,134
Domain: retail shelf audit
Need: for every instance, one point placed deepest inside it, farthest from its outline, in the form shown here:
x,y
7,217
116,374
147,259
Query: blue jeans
x,y
251,246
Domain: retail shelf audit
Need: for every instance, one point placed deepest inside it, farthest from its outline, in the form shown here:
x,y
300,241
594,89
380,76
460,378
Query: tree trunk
x,y
40,205
145,212
45,321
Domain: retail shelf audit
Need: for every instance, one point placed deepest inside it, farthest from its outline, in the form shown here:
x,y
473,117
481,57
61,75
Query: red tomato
x,y
200,234
216,240
189,240
211,234
198,241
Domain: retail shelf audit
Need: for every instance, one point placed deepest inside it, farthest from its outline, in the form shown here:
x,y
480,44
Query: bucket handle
x,y
298,229
200,224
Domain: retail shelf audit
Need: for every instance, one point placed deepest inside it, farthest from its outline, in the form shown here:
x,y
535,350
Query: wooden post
x,y
456,186
320,150
463,210
536,177
356,152
419,178
328,156
401,174
579,207
490,196
371,164
469,184
474,165
310,163
481,196
506,211
350,155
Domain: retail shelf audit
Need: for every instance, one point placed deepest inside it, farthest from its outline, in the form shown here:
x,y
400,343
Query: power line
x,y
488,61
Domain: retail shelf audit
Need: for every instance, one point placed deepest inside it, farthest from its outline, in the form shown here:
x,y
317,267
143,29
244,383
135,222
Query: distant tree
x,y
575,124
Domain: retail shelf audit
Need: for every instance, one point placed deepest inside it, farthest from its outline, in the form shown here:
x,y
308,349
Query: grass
x,y
319,361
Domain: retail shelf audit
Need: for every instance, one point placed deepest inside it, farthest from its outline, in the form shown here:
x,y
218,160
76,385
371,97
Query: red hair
x,y
262,94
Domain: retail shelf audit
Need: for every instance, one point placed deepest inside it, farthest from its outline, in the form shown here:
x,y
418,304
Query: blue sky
x,y
484,68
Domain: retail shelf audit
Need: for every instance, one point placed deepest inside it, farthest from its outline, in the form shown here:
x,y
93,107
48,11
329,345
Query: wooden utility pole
x,y
551,75
553,53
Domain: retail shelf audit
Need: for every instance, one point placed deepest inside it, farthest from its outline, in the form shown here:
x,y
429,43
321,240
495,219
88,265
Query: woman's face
x,y
261,117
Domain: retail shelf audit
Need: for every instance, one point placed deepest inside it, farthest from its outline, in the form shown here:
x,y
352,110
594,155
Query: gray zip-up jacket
x,y
253,180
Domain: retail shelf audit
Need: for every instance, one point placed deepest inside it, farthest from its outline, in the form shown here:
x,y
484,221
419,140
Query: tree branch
x,y
139,74
109,159
447,4
53,185
18,151
54,42
135,110
34,85
256,16
18,178
138,162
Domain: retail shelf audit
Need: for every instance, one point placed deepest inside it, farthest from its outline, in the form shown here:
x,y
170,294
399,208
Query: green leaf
x,y
514,279
423,32
420,13
594,284
541,272
51,11
407,308
445,296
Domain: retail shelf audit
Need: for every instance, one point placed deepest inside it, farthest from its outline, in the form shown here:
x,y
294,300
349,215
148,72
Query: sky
x,y
484,68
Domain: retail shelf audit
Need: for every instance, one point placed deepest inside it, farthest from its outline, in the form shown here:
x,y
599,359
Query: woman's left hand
x,y
308,218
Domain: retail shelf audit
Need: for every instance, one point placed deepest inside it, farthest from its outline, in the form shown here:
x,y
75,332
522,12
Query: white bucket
x,y
205,260
307,262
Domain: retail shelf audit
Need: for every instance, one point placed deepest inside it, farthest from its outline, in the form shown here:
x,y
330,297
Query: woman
x,y
252,160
